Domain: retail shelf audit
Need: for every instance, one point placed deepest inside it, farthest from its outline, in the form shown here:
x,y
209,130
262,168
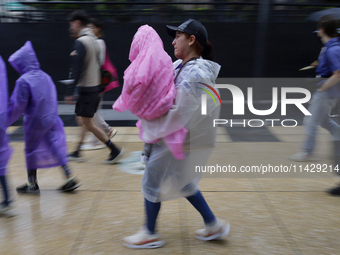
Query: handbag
x,y
106,77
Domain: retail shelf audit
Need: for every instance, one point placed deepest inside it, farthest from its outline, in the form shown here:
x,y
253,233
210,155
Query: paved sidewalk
x,y
269,213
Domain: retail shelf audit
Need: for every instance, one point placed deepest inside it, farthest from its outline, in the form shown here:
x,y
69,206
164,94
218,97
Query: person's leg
x,y
147,149
32,176
336,168
75,156
5,208
146,153
198,201
146,237
81,137
71,181
3,181
67,171
116,154
334,129
94,129
31,187
215,228
319,108
311,122
86,107
325,120
100,122
335,112
94,143
151,211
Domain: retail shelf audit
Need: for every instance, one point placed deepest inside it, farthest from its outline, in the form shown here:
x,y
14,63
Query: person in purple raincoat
x,y
5,150
35,96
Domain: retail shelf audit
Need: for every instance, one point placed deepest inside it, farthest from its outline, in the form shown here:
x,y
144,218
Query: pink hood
x,y
149,89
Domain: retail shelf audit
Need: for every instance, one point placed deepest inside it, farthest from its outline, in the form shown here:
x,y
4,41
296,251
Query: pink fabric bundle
x,y
149,89
107,65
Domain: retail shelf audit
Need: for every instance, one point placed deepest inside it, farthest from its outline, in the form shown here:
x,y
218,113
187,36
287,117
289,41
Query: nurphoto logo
x,y
204,97
239,102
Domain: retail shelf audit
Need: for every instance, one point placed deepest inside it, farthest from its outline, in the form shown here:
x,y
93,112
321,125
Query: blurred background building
x,y
256,38
135,11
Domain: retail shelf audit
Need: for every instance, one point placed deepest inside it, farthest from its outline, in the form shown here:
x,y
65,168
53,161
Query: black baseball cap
x,y
191,27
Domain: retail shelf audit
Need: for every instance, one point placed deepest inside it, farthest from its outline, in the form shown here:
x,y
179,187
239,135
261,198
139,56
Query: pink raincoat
x,y
149,89
5,150
35,96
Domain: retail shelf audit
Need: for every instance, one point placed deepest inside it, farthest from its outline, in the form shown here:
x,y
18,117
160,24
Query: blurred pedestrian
x,y
98,29
5,150
327,95
328,92
85,71
166,177
35,96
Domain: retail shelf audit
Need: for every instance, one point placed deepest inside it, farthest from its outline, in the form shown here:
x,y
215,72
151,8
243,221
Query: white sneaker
x,y
6,211
302,157
112,133
143,240
89,147
217,231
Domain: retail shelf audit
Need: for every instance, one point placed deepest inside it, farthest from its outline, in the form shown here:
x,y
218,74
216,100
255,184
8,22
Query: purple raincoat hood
x,y
24,59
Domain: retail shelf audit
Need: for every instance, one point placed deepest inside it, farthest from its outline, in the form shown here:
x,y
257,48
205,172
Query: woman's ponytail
x,y
208,51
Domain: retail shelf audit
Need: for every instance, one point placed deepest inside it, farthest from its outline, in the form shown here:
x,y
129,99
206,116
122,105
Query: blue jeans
x,y
320,108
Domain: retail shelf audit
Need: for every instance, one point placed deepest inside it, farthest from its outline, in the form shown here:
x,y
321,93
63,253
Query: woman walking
x,y
168,178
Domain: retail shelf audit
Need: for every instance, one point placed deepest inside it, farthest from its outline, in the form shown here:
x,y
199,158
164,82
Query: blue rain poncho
x,y
35,96
5,150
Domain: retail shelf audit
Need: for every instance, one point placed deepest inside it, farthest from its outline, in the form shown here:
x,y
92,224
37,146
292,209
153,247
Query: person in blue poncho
x,y
35,96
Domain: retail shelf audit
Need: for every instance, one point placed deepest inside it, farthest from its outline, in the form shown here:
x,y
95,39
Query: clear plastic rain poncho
x,y
5,150
165,177
35,96
149,89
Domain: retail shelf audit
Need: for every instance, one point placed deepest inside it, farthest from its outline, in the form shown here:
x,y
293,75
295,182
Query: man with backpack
x,y
85,71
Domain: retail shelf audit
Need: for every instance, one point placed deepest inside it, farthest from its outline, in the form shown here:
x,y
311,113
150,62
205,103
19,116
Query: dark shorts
x,y
88,101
